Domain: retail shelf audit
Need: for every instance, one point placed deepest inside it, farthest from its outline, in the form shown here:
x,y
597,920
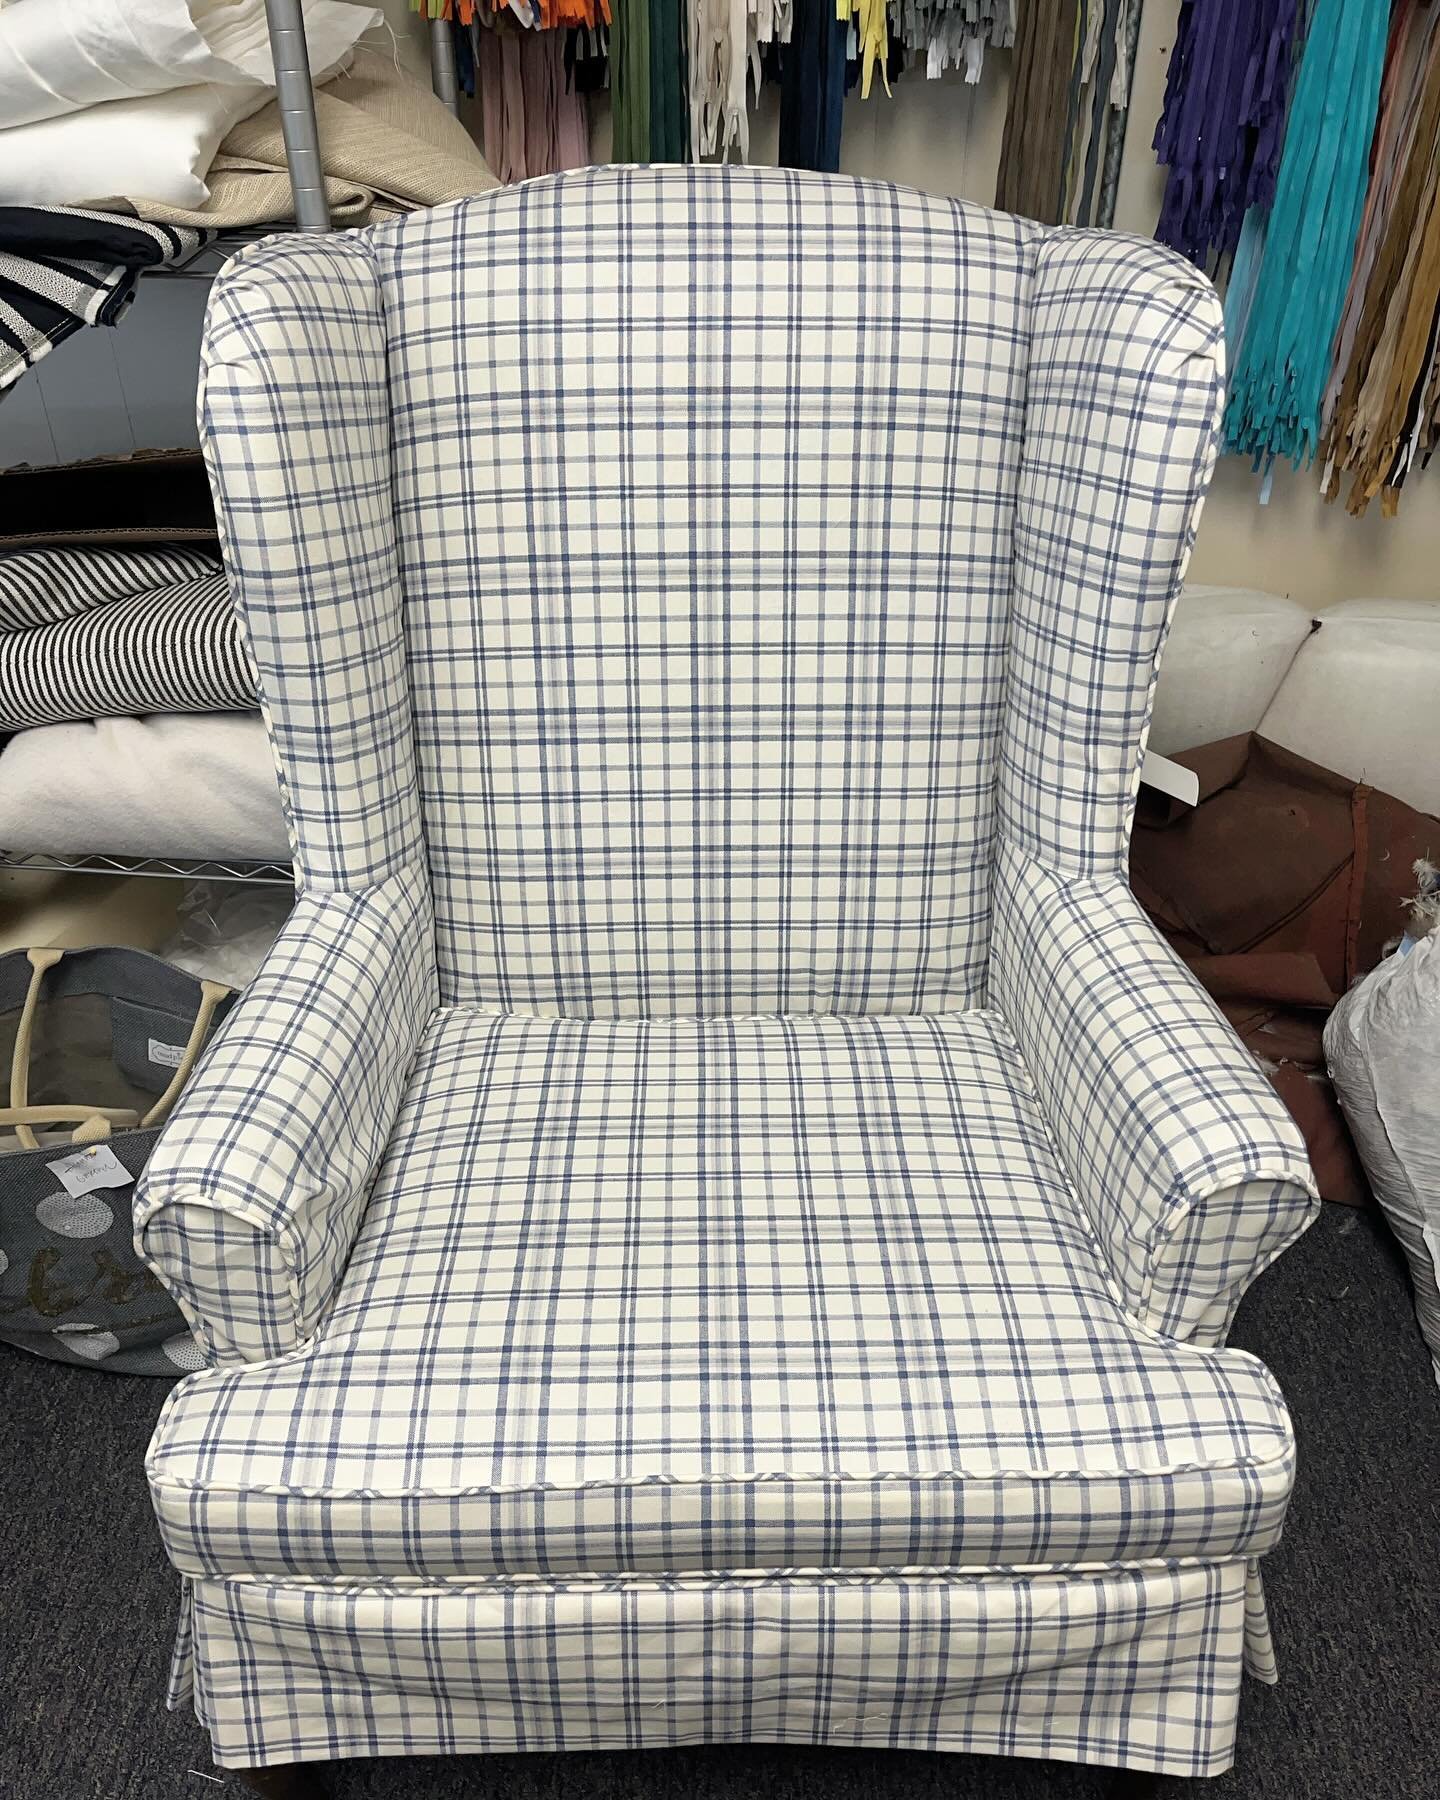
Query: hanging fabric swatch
x,y
812,87
1401,88
630,81
725,38
1224,120
871,38
1309,238
669,83
533,120
587,59
1097,129
718,117
1127,43
1088,107
542,15
952,34
1031,179
1068,105
1383,402
649,82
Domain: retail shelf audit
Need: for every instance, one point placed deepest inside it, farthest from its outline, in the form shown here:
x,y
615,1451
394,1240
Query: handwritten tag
x,y
96,1167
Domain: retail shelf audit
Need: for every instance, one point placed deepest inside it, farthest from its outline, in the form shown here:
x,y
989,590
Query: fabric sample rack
x,y
296,95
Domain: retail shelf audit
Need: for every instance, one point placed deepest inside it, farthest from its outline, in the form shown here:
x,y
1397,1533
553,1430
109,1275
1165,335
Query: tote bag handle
x,y
95,1121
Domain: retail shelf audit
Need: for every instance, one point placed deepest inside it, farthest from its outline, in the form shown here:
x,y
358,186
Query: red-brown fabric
x,y
1280,889
1333,1157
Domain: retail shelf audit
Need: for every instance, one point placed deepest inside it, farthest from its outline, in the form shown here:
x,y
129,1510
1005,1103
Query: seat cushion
x,y
691,1295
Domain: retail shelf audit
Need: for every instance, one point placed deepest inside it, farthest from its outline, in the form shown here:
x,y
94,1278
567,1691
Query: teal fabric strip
x,y
1306,246
1244,272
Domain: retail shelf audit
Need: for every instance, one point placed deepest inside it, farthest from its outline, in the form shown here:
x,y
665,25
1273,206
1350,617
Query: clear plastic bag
x,y
1382,1043
225,928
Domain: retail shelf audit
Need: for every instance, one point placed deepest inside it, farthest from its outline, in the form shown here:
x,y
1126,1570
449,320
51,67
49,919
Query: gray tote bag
x,y
98,1044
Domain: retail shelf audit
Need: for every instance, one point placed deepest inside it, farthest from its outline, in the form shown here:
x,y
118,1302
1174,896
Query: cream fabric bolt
x,y
146,129
389,145
59,56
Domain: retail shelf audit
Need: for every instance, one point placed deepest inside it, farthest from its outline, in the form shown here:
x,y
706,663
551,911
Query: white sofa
x,y
1353,686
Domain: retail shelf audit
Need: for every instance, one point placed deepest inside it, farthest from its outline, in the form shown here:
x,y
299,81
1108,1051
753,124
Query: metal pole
x,y
442,64
296,94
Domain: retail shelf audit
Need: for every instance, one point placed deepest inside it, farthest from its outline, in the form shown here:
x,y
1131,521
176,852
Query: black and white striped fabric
x,y
65,267
169,649
42,586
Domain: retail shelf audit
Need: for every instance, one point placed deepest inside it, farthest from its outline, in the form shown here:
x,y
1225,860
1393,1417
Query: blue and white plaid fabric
x,y
251,1203
683,1295
1136,1665
1190,1171
717,1176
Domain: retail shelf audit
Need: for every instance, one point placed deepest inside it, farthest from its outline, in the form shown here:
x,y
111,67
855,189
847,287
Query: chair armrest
x,y
1193,1174
254,1193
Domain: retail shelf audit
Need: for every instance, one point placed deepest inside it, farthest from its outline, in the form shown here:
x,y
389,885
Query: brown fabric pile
x,y
1280,889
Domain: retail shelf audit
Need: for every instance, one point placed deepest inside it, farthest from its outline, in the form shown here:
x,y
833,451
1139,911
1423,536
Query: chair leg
x,y
285,1781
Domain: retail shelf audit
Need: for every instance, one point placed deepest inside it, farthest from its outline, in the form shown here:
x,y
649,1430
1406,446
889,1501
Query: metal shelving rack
x,y
188,868
295,92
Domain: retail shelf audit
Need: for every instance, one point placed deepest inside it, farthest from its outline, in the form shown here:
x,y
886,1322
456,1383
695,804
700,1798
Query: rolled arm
x,y
1193,1175
254,1192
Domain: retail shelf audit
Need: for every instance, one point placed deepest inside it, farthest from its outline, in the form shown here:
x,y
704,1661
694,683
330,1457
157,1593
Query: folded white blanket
x,y
199,785
57,56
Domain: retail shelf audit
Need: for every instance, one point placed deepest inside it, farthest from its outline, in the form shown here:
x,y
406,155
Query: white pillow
x,y
158,147
57,56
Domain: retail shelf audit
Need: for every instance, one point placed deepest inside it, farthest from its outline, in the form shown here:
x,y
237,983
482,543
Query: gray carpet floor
x,y
87,1602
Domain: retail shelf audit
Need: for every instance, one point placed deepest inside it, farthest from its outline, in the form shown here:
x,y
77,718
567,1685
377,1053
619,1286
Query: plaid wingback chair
x,y
718,1218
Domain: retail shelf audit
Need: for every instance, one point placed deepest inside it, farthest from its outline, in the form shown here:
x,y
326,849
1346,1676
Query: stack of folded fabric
x,y
105,97
95,187
90,633
124,676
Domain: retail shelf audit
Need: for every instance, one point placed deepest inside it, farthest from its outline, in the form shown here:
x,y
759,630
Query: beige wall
x,y
945,136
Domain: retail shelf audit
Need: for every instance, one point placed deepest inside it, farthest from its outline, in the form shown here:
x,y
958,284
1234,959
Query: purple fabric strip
x,y
1223,123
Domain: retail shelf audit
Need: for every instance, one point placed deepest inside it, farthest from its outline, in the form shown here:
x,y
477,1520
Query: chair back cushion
x,y
704,487
700,568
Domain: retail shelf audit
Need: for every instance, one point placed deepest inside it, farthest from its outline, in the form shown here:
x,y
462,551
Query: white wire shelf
x,y
184,868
